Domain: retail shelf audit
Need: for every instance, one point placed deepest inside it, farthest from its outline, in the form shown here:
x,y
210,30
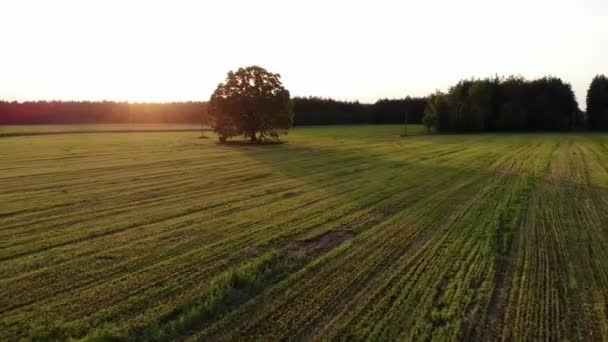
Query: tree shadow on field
x,y
346,170
366,177
315,164
322,158
250,143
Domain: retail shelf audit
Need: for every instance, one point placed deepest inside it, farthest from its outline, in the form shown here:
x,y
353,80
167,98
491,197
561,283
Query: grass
x,y
32,130
165,236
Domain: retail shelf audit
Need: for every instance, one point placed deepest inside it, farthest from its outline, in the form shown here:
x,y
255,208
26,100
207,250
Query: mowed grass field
x,y
32,130
341,233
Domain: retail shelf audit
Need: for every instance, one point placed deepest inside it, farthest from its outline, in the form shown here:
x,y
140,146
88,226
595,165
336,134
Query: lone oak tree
x,y
251,102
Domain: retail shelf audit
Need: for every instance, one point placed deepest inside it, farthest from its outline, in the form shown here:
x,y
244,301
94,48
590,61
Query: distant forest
x,y
473,105
307,111
324,111
87,112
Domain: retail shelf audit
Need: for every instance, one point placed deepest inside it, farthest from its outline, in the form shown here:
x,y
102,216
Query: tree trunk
x,y
253,137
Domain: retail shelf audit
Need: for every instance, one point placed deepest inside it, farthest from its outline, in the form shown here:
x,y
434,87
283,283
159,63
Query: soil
x,y
319,244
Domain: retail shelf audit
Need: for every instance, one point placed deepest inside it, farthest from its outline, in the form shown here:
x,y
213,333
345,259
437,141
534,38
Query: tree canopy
x,y
314,110
504,104
392,111
251,102
597,103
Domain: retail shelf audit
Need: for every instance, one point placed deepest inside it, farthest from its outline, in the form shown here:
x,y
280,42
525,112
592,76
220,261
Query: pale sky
x,y
365,50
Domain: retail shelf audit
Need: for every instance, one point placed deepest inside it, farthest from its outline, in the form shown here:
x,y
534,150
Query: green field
x,y
31,130
341,233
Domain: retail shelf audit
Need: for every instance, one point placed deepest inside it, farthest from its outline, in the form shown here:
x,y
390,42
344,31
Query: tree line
x,y
326,111
307,111
505,104
597,103
472,105
89,112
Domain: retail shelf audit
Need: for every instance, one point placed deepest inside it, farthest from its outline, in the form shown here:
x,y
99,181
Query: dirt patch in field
x,y
319,244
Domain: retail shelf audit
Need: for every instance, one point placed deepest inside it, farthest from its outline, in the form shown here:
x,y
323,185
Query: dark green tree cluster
x,y
392,111
597,103
325,111
504,104
251,102
87,112
312,110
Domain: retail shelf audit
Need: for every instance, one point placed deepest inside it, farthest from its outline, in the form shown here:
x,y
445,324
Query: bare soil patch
x,y
319,244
